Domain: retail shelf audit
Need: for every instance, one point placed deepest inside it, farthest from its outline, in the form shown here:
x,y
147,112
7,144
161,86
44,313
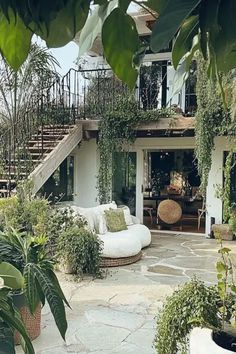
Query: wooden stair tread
x,y
5,180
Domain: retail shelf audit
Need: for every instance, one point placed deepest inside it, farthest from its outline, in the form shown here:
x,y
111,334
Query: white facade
x,y
87,165
86,170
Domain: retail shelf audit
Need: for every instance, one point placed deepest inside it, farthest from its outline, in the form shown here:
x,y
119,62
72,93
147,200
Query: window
x,y
60,185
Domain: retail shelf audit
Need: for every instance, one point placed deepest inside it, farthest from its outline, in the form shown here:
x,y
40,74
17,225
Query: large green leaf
x,y
121,43
31,290
156,5
12,277
184,39
15,39
67,23
208,24
93,26
54,300
12,318
6,339
224,43
55,282
168,23
182,71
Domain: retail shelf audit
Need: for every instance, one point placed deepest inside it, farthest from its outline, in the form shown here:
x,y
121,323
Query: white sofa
x,y
122,244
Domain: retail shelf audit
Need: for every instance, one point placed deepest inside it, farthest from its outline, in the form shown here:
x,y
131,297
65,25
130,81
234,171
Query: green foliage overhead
x,y
58,21
168,23
64,26
183,42
120,43
15,39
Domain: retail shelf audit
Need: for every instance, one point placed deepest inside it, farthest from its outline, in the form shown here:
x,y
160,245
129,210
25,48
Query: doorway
x,y
171,174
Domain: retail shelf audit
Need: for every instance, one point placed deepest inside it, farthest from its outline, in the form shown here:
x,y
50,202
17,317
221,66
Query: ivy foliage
x,y
117,131
209,117
192,304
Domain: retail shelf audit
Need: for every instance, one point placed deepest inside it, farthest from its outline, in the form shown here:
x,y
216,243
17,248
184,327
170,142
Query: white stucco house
x,y
68,162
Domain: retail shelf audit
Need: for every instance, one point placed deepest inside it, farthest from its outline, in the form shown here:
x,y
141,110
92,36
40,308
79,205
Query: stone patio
x,y
116,315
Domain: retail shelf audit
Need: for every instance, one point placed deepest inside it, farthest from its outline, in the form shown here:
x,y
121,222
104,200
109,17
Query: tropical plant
x,y
82,250
37,268
9,316
34,75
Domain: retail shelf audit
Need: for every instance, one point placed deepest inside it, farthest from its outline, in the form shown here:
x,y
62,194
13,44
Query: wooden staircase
x,y
39,157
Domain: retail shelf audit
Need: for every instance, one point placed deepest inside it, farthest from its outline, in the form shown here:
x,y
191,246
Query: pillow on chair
x,y
128,217
115,220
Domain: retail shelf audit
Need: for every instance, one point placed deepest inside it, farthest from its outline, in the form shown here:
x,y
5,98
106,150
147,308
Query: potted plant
x,y
196,305
29,255
10,320
79,251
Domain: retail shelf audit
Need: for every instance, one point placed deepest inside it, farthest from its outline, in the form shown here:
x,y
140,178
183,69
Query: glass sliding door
x,y
124,179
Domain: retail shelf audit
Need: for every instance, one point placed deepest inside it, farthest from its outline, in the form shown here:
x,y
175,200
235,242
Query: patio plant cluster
x,y
34,236
196,304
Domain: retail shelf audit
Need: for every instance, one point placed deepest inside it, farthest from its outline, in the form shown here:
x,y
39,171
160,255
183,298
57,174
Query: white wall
x,y
86,170
214,204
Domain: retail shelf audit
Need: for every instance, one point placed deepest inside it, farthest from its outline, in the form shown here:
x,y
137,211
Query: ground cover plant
x,y
196,304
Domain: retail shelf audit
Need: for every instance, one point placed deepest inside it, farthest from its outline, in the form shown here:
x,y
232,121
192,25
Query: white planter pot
x,y
201,342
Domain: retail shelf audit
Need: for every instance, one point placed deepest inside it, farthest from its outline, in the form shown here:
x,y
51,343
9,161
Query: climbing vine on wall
x,y
116,132
209,117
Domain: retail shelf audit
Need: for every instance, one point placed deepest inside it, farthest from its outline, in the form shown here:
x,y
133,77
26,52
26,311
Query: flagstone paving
x,y
116,315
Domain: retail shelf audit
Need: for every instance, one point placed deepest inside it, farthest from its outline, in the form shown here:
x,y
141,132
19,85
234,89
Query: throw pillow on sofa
x,y
127,214
115,220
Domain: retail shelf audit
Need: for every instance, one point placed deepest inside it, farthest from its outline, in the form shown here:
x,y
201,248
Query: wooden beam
x,y
53,160
174,123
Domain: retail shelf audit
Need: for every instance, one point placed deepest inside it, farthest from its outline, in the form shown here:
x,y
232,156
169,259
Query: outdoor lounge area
x,y
118,177
116,314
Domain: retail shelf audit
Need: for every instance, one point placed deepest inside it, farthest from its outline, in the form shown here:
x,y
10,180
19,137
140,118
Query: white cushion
x,y
100,222
141,232
87,214
125,243
119,244
108,206
127,215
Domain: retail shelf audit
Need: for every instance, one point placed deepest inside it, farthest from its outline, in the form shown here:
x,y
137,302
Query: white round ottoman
x,y
124,247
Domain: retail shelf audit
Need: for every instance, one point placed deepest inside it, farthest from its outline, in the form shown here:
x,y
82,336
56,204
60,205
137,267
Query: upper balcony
x,y
88,94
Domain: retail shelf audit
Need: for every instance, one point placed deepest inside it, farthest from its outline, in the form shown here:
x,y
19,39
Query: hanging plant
x,y
117,131
209,117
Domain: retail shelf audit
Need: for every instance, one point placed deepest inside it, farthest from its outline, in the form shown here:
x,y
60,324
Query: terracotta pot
x,y
201,342
32,322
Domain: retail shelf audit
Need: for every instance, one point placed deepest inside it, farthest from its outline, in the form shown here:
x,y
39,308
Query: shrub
x,y
29,215
192,304
81,248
